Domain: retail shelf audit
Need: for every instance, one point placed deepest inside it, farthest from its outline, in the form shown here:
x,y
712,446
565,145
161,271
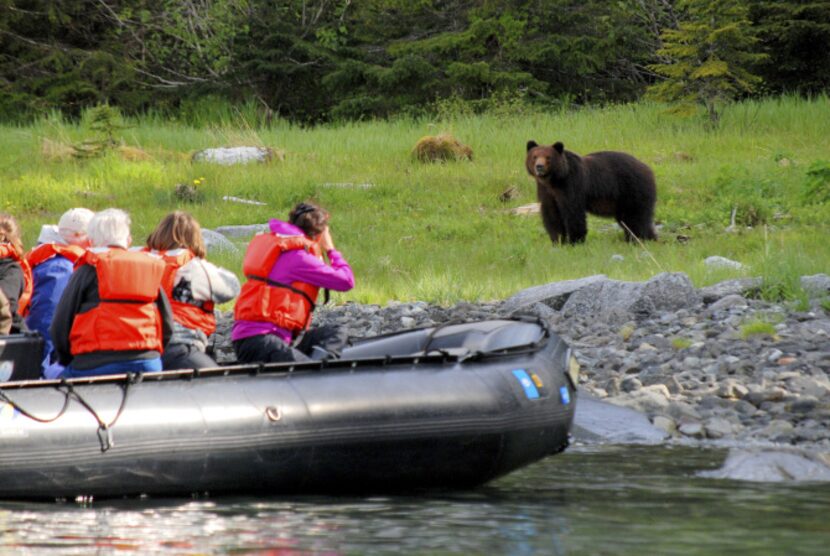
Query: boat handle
x,y
273,413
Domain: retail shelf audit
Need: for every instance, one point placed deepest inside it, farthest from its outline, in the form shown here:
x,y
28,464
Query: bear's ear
x,y
559,147
532,144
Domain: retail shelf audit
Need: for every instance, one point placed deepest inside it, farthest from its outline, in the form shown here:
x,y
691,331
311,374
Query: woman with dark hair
x,y
285,271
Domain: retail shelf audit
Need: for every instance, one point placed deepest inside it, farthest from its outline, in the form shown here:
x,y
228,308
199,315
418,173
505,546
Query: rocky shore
x,y
713,365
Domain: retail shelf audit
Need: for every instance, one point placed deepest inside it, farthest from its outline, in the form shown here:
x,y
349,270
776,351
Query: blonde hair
x,y
10,232
110,228
178,230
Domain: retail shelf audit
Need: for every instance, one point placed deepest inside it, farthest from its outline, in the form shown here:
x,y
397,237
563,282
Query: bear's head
x,y
546,161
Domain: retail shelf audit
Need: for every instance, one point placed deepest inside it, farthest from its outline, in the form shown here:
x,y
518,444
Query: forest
x,y
315,61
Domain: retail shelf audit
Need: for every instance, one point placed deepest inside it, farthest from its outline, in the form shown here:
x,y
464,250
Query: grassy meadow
x,y
439,232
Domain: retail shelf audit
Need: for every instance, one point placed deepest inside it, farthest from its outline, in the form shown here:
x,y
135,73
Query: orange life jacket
x,y
8,252
288,306
46,251
195,317
126,317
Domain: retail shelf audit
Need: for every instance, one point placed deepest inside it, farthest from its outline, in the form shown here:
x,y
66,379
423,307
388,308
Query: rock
x,y
246,231
631,384
216,242
771,466
816,286
692,429
554,295
643,400
718,428
617,302
718,262
599,421
665,424
726,302
232,199
738,286
228,156
804,404
776,429
617,258
732,390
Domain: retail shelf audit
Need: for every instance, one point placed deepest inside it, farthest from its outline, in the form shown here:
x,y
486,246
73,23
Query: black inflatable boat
x,y
446,407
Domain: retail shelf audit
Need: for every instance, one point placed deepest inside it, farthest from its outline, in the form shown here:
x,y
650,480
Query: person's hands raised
x,y
326,243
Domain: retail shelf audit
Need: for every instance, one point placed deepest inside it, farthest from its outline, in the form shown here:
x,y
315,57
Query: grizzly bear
x,y
606,183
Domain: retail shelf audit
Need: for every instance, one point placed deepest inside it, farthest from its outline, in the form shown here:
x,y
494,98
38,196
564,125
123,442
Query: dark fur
x,y
608,183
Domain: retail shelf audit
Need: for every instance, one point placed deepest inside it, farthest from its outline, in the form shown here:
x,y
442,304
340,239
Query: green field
x,y
439,232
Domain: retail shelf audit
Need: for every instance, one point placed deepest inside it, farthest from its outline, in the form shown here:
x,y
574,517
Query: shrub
x,y
433,148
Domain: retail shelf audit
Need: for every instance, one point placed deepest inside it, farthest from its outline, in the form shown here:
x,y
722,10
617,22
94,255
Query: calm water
x,y
591,500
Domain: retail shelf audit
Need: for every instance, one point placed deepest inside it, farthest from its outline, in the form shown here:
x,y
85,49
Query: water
x,y
590,500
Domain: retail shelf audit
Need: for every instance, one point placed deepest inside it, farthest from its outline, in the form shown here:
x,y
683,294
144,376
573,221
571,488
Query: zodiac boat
x,y
452,406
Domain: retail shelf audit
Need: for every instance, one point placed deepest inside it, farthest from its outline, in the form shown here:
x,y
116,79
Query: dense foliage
x,y
317,60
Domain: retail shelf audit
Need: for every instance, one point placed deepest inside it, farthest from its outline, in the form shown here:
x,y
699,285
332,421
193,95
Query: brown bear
x,y
606,183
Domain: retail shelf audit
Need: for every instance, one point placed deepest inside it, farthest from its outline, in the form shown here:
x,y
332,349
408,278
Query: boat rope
x,y
104,429
33,417
438,329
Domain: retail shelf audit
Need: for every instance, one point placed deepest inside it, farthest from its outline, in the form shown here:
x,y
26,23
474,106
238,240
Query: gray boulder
x,y
216,242
817,285
553,295
772,466
614,301
597,421
246,231
718,262
738,286
228,156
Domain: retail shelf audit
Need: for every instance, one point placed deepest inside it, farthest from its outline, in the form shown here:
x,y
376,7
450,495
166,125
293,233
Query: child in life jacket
x,y
193,286
15,274
114,316
285,271
52,263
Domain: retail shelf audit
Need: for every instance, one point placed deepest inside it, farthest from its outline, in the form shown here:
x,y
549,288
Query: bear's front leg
x,y
552,220
576,225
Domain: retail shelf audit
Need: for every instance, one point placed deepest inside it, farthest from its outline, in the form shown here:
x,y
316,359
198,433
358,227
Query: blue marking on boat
x,y
524,379
564,395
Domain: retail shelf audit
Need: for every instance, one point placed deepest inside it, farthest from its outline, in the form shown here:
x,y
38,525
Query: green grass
x,y
438,232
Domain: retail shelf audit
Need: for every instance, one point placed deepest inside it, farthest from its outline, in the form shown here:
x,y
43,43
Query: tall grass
x,y
439,232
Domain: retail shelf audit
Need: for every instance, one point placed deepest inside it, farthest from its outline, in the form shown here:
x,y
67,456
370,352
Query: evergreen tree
x,y
795,35
710,56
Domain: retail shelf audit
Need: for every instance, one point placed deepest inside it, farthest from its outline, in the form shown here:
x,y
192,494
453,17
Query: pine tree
x,y
709,57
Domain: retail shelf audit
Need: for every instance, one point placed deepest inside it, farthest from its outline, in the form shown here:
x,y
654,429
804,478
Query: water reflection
x,y
591,500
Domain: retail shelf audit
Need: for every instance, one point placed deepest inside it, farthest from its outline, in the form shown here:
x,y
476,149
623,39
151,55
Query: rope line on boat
x,y
33,417
435,331
104,430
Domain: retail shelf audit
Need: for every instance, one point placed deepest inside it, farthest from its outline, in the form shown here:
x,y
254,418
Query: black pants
x,y
267,348
185,356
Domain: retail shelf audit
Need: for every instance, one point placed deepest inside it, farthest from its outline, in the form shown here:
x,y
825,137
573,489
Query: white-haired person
x,y
52,263
114,316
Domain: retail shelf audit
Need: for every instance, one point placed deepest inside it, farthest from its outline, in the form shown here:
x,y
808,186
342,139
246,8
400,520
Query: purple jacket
x,y
298,266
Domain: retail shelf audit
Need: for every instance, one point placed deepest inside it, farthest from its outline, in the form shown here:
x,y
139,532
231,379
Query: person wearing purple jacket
x,y
285,270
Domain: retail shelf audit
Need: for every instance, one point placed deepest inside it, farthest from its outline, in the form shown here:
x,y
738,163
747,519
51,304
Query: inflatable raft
x,y
452,406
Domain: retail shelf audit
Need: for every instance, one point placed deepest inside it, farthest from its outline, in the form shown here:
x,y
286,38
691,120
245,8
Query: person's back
x,y
285,270
193,285
5,315
113,316
52,263
15,274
